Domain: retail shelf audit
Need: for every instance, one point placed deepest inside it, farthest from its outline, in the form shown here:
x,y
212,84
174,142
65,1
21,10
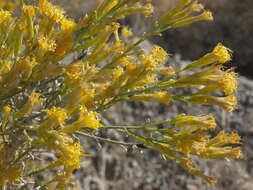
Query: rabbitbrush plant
x,y
47,99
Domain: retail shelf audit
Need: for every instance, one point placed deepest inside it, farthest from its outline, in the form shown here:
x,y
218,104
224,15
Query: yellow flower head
x,y
224,138
68,25
163,97
6,115
228,103
50,11
159,54
90,120
71,155
66,148
226,152
118,72
229,82
28,11
213,78
86,119
35,99
202,122
222,53
206,15
5,16
7,109
5,66
235,153
57,115
126,32
46,44
148,61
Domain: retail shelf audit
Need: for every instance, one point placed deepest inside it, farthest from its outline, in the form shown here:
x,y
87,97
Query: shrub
x,y
47,99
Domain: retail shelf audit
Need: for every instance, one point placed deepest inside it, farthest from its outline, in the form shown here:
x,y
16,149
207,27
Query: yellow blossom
x,y
75,71
206,15
52,12
5,66
228,103
187,164
5,16
86,119
6,115
46,44
57,115
159,54
68,25
28,11
224,138
163,97
201,122
68,150
221,152
213,78
126,32
220,54
185,142
148,61
118,72
90,120
72,152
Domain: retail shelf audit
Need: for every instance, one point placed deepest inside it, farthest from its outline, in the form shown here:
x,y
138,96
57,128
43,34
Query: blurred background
x,y
113,167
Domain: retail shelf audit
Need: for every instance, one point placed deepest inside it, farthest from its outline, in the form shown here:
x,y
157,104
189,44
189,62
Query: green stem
x,y
140,127
104,139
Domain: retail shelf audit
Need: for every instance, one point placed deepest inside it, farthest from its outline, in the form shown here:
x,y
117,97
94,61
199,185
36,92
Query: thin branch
x,y
104,139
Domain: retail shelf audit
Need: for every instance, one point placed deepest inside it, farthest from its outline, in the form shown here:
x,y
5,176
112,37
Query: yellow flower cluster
x,y
57,77
188,136
45,44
